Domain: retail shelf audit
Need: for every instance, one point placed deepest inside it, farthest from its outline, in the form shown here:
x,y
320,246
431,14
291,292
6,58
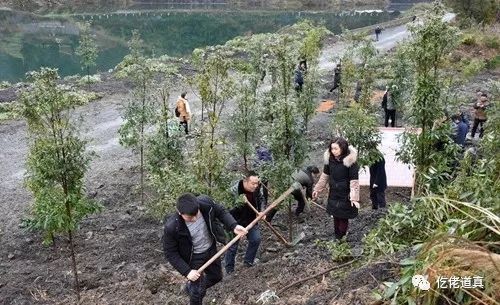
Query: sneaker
x,y
248,265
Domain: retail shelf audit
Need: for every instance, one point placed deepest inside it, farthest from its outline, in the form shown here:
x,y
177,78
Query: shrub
x,y
469,40
491,41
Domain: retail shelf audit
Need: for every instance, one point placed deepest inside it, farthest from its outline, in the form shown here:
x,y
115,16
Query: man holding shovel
x,y
247,189
189,241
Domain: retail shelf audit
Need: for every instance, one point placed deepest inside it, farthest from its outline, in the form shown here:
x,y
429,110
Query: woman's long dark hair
x,y
342,143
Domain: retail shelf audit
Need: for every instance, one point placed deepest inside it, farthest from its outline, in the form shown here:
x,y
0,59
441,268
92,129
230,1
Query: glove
x,y
193,275
355,204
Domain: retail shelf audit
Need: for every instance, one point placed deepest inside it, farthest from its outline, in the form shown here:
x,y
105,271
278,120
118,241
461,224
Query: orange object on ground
x,y
325,106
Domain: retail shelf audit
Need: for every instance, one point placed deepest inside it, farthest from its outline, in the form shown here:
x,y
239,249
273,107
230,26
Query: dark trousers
x,y
297,195
340,225
336,84
211,276
477,122
392,115
254,239
185,124
378,198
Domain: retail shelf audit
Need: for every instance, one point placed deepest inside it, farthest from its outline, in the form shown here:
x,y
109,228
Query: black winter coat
x,y
177,242
378,176
341,173
243,214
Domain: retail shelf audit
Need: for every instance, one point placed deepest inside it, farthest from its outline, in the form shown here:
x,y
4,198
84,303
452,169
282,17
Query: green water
x,y
28,42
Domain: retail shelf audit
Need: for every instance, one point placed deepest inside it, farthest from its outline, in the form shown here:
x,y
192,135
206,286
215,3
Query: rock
x,y
89,235
110,228
11,256
121,265
271,249
100,186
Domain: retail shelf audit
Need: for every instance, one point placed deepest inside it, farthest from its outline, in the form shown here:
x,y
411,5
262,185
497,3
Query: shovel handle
x,y
318,205
280,237
251,225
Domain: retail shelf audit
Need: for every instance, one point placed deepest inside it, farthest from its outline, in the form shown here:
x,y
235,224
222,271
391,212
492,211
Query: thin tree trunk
x,y
88,78
290,221
142,174
73,260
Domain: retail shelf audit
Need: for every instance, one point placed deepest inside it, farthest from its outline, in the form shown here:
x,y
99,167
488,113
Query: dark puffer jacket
x,y
342,177
177,242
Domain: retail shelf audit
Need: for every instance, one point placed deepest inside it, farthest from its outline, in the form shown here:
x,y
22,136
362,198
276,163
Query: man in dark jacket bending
x,y
189,241
307,178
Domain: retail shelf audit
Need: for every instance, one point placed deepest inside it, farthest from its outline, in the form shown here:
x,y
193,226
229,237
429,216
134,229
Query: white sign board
x,y
398,174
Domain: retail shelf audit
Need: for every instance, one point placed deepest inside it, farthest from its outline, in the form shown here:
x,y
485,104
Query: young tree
x,y
310,50
429,46
360,127
286,138
216,89
87,49
366,53
139,112
484,11
245,125
164,158
57,160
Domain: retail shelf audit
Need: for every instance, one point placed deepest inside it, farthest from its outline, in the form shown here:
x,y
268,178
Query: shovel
x,y
251,225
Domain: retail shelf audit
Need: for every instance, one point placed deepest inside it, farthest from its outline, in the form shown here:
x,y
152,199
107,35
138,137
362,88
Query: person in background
x,y
337,78
460,129
389,108
184,111
340,171
247,189
378,31
307,178
300,72
480,115
189,241
378,183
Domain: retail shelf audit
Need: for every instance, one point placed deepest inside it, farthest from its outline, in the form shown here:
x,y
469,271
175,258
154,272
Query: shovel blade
x,y
299,237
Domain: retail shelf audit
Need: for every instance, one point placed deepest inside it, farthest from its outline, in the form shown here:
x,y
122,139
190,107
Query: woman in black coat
x,y
340,171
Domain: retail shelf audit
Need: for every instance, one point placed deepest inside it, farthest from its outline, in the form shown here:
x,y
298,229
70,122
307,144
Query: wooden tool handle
x,y
251,225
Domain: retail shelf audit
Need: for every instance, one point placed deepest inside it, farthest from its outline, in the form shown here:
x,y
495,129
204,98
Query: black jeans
x,y
297,195
392,115
185,124
211,276
477,122
378,198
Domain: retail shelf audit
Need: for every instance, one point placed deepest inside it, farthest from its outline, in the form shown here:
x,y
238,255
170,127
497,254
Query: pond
x,y
28,42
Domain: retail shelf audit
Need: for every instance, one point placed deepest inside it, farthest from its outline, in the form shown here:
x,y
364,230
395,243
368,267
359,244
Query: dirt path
x,y
119,253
